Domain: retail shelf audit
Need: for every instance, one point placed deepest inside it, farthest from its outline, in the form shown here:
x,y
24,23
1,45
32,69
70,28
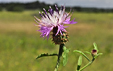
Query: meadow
x,y
20,43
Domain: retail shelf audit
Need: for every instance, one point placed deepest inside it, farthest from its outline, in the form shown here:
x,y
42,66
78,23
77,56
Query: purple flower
x,y
53,18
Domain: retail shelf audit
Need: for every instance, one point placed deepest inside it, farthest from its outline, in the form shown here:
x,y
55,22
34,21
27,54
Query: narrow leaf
x,y
95,47
98,55
79,63
80,60
82,54
88,52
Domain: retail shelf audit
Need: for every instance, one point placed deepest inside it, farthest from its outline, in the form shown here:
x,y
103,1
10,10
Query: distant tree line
x,y
19,7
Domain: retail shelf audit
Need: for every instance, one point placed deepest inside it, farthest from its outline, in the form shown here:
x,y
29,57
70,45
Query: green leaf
x,y
88,52
95,46
82,54
79,62
65,55
98,55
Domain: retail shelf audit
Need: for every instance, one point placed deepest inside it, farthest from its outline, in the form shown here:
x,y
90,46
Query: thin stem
x,y
90,62
59,56
46,54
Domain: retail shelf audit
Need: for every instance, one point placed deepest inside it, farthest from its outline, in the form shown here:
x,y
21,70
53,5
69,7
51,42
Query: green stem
x,y
59,56
90,62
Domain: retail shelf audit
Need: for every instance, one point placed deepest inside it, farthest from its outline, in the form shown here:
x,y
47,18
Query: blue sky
x,y
82,3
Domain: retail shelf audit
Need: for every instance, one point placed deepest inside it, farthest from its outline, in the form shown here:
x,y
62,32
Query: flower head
x,y
52,20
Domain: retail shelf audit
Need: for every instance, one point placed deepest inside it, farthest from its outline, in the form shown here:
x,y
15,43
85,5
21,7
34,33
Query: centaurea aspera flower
x,y
52,20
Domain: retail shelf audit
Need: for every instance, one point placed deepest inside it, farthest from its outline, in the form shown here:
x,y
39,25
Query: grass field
x,y
20,43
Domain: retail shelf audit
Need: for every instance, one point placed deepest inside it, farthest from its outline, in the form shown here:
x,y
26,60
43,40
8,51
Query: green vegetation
x,y
20,43
19,7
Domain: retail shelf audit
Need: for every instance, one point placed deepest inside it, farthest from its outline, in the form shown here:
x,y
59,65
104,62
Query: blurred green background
x,y
20,43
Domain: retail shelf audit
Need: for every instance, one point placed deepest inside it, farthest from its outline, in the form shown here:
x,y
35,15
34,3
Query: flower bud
x,y
94,52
